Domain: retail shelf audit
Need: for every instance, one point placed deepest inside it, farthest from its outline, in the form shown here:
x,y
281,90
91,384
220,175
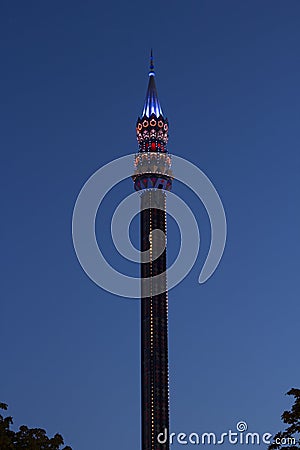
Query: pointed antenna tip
x,y
151,72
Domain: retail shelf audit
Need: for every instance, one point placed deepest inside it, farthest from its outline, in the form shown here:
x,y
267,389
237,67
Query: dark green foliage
x,y
291,418
26,438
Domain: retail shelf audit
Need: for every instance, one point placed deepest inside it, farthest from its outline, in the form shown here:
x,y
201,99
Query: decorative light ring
x,y
145,123
166,127
139,127
160,123
152,122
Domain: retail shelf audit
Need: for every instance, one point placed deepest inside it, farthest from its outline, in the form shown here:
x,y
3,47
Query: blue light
x,y
152,105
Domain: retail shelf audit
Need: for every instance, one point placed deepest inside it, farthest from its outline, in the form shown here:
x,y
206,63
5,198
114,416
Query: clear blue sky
x,y
73,79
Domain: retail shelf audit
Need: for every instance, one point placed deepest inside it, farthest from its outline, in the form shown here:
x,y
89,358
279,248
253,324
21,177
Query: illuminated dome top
x,y
152,127
152,162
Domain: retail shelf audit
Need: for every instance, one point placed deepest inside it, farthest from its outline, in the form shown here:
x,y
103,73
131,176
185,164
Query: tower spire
x,y
152,126
152,105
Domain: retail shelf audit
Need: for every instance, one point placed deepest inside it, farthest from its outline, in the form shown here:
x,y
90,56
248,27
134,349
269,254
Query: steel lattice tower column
x,y
153,177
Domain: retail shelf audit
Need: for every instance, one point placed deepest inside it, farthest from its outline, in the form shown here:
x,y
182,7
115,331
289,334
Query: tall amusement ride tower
x,y
153,177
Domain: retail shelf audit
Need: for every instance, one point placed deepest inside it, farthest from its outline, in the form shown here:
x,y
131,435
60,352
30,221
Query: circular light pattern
x,y
160,123
139,127
152,122
145,123
165,127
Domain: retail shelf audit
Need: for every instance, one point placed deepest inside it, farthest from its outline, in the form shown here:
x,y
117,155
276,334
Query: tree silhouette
x,y
289,439
26,438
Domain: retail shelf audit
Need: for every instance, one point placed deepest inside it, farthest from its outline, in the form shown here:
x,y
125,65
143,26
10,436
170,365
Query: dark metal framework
x,y
154,332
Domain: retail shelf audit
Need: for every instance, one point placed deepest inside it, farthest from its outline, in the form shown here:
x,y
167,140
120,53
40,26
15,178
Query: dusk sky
x,y
73,82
